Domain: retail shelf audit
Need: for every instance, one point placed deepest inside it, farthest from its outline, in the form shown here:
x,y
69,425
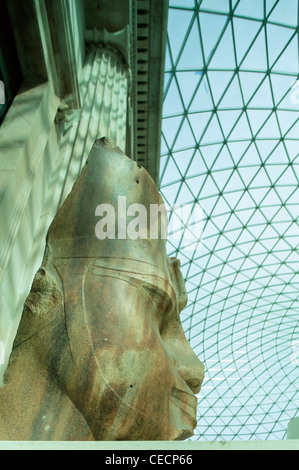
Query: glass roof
x,y
230,147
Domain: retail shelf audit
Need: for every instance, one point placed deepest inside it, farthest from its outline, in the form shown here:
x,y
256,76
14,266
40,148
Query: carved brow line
x,y
117,273
131,273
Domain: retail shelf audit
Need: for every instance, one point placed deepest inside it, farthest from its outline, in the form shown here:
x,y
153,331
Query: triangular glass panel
x,y
286,120
261,180
287,192
169,192
172,102
245,202
257,118
269,233
269,6
167,81
211,27
228,119
171,173
293,201
265,148
293,132
263,97
245,32
281,85
288,62
291,98
164,148
251,9
242,130
171,249
168,62
292,148
270,130
207,279
209,189
250,81
271,200
208,204
277,36
199,123
178,23
210,230
256,59
221,178
163,164
224,56
187,82
278,156
170,128
213,133
198,165
258,219
182,159
219,80
232,98
285,14
295,161
246,237
281,216
185,137
256,229
221,208
223,161
247,174
191,57
236,260
210,153
287,179
202,100
223,253
221,6
237,150
234,184
181,3
258,194
195,184
184,195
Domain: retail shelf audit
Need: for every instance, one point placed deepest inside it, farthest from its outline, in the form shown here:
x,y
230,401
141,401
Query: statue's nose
x,y
191,369
186,362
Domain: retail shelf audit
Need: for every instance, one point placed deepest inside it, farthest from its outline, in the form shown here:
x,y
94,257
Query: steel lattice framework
x,y
230,133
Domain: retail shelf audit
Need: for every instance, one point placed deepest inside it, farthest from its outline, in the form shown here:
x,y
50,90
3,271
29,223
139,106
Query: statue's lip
x,y
185,397
187,402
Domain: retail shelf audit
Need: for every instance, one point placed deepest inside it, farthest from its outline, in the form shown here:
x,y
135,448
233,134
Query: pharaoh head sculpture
x,y
102,318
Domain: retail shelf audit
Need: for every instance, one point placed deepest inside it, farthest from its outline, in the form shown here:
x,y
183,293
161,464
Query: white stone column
x,y
66,146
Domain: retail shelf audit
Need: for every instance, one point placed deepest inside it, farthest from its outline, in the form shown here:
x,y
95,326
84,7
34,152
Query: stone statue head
x,y
103,311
